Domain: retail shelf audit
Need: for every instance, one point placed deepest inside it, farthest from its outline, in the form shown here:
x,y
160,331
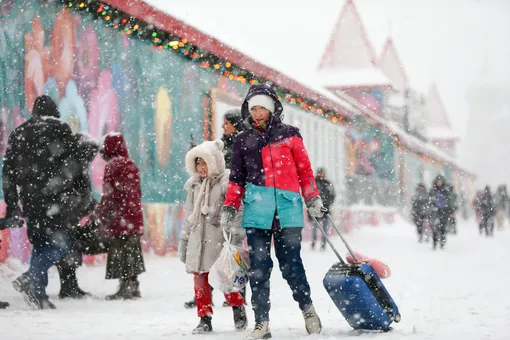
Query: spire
x,y
349,46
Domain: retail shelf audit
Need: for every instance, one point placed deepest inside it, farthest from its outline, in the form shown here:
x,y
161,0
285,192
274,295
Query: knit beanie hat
x,y
261,100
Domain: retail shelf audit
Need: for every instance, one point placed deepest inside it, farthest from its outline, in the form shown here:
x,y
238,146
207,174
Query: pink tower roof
x,y
438,122
391,64
349,57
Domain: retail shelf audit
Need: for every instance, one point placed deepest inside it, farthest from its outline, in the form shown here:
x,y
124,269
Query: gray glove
x,y
238,237
183,248
227,217
316,208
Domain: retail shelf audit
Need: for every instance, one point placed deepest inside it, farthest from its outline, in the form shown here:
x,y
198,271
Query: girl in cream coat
x,y
201,239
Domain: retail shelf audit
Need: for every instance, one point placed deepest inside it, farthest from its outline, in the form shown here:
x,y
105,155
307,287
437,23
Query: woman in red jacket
x,y
120,212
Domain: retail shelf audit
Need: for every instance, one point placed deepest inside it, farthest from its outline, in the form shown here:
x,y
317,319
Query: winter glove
x,y
183,248
227,217
237,237
316,208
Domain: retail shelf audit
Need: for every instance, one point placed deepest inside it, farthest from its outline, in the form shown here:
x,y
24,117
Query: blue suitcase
x,y
359,293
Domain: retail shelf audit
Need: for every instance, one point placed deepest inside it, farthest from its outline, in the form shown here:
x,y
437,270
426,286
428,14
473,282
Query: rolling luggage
x,y
358,292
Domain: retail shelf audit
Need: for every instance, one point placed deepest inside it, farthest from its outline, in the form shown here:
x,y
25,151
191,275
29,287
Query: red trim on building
x,y
151,15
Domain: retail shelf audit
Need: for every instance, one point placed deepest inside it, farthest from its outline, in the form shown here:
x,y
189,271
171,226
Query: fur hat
x,y
211,153
261,100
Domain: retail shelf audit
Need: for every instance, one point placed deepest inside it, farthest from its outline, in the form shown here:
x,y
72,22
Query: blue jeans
x,y
44,256
315,230
287,244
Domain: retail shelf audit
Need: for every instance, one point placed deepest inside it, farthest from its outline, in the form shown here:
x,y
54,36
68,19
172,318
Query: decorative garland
x,y
163,40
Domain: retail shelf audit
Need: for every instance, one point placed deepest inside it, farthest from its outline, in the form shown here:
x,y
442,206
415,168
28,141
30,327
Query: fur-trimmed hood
x,y
211,153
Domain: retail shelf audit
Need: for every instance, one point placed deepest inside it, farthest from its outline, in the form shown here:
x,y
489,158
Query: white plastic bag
x,y
230,271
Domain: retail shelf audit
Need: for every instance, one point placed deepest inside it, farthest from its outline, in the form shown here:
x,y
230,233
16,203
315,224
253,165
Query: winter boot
x,y
121,292
134,288
260,331
312,322
69,288
205,326
4,305
190,304
240,319
32,298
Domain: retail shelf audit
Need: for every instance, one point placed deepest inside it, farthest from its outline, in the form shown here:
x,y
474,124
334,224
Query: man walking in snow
x,y
440,211
269,171
39,171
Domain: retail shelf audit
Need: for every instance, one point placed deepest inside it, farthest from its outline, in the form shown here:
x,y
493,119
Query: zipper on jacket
x,y
274,177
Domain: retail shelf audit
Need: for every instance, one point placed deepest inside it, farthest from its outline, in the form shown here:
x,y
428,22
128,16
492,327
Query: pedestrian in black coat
x,y
420,209
39,171
488,211
439,210
85,204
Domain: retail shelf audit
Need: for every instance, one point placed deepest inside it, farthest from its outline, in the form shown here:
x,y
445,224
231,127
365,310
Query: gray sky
x,y
444,41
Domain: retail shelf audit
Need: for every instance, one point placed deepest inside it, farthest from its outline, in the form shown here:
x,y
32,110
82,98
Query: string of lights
x,y
163,40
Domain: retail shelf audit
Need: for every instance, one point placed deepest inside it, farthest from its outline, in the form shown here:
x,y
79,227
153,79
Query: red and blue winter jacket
x,y
270,171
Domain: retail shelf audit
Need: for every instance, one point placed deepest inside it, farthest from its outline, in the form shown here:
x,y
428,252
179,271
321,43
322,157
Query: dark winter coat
x,y
120,209
270,170
39,168
452,200
82,186
420,207
228,145
327,191
487,204
438,203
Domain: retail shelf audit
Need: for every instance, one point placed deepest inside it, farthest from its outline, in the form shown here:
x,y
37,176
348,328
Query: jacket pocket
x,y
259,207
290,209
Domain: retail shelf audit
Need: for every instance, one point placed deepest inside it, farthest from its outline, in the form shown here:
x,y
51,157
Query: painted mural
x,y
104,81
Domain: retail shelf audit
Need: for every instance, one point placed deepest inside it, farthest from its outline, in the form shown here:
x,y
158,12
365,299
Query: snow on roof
x,y
348,77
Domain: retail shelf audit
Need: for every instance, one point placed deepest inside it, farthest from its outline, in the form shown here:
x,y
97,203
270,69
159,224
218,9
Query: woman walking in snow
x,y
120,213
270,170
201,239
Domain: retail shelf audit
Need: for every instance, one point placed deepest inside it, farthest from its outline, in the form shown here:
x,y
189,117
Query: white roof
x,y
348,77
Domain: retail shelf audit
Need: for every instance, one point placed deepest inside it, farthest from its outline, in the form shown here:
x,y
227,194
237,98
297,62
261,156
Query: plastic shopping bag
x,y
230,271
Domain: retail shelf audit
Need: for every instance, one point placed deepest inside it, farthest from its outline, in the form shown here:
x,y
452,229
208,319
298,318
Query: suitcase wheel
x,y
397,317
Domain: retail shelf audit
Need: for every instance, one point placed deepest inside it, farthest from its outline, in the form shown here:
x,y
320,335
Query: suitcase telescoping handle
x,y
328,216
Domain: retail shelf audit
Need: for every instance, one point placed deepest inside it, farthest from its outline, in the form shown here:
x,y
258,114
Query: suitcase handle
x,y
328,216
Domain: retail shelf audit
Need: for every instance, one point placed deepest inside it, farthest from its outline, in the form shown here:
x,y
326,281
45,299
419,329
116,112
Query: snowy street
x,y
458,293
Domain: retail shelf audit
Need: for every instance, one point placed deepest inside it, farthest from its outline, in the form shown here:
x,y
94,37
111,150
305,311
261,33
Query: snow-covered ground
x,y
462,292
